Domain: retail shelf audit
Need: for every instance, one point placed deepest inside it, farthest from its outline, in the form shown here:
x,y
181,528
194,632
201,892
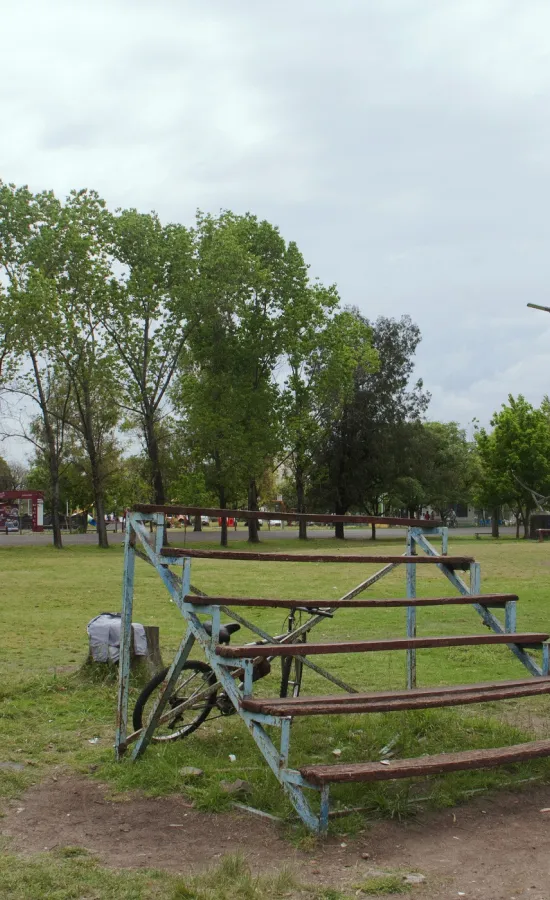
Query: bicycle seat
x,y
225,631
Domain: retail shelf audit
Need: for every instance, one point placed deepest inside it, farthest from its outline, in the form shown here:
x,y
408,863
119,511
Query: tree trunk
x,y
518,515
253,504
101,525
85,406
373,531
197,524
52,455
526,518
99,499
56,518
494,522
339,526
156,469
300,495
223,537
154,459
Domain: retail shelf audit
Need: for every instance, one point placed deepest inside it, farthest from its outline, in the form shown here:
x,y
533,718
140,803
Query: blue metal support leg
x,y
170,681
486,615
125,637
411,610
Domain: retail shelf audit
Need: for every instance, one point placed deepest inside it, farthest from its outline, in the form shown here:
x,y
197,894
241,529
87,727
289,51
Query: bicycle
x,y
197,682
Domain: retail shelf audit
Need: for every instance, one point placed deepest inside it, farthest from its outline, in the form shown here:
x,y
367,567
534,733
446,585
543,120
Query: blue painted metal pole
x,y
545,658
125,636
159,535
169,683
475,578
487,616
510,617
248,679
285,742
411,610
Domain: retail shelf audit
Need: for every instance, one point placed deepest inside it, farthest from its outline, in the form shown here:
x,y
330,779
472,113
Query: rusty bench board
x,y
304,649
291,702
494,600
350,703
425,765
451,562
313,518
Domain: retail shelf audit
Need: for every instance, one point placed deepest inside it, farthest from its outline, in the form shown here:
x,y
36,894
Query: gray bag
x,y
104,634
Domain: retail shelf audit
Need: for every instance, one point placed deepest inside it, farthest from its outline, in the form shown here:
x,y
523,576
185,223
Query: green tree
x,y
28,259
516,456
444,463
6,479
323,356
147,316
248,292
87,360
364,451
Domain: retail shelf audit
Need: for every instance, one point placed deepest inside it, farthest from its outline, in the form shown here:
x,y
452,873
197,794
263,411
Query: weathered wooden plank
x,y
257,704
310,649
316,518
452,562
392,704
425,765
493,600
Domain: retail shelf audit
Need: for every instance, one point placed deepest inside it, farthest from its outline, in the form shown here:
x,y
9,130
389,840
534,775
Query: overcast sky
x,y
404,144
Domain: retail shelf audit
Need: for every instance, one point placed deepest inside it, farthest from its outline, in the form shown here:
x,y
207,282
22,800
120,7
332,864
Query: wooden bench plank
x,y
450,562
309,649
489,600
350,704
425,765
255,704
320,518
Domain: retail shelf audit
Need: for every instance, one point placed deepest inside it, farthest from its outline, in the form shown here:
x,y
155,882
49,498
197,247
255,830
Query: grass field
x,y
50,709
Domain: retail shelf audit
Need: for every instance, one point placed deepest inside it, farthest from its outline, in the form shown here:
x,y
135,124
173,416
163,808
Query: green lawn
x,y
50,709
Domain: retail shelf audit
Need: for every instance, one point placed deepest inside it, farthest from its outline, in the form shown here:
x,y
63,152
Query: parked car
x,y
205,520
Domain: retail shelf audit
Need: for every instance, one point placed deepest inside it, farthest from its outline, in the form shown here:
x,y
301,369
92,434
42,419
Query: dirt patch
x,y
495,849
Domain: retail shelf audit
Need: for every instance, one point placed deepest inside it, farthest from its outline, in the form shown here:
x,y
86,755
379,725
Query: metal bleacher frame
x,y
145,529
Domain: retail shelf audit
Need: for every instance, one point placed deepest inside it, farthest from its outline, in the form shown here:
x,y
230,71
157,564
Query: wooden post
x,y
154,656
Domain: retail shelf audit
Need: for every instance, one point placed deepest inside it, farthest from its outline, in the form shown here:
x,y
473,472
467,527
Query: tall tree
x,y
89,364
516,456
251,291
362,454
444,463
147,316
28,259
323,356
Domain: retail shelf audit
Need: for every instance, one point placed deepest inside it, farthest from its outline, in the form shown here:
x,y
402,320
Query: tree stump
x,y
153,658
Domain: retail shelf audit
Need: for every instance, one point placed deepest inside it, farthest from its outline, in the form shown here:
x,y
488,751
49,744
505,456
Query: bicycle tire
x,y
292,668
207,703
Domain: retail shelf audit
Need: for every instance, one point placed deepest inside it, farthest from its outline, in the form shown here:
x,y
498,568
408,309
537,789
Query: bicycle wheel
x,y
292,668
195,679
